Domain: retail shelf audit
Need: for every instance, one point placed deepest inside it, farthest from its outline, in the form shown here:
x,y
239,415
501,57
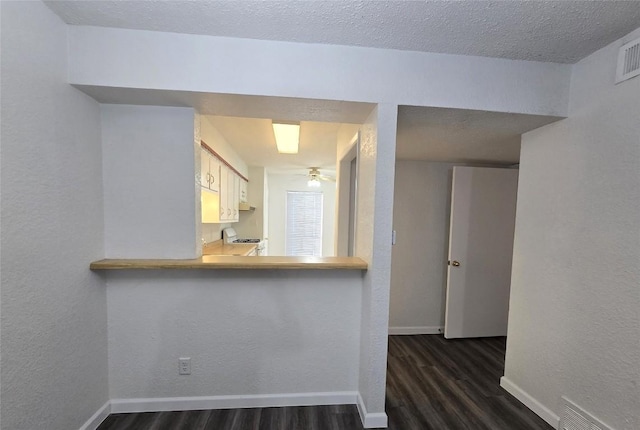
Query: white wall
x,y
247,332
54,315
278,185
212,232
573,323
374,215
143,59
421,207
216,141
252,224
149,175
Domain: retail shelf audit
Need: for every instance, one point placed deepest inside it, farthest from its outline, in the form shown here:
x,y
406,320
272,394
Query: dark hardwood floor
x,y
432,383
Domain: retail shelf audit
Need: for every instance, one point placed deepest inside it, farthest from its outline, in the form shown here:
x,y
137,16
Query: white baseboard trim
x,y
530,402
96,419
159,404
371,420
416,330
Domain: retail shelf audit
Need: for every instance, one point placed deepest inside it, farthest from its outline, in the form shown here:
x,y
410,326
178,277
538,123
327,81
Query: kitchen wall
x,y
212,232
573,322
148,200
216,141
279,184
253,224
421,208
54,310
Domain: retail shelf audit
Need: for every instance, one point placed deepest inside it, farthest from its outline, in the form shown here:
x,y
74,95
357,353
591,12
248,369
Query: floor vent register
x,y
575,418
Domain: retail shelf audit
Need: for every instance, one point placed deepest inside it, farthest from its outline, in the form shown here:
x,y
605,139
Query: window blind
x,y
303,235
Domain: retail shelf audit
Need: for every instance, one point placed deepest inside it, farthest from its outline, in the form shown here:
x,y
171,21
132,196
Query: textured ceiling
x,y
463,136
550,31
283,108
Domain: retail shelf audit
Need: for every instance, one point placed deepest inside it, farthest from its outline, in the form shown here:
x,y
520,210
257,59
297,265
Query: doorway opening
x,y
431,143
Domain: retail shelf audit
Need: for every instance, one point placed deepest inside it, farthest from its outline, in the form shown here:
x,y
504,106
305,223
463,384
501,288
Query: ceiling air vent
x,y
574,418
628,61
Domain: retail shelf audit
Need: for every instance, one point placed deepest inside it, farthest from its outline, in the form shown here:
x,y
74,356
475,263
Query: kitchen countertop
x,y
232,249
235,262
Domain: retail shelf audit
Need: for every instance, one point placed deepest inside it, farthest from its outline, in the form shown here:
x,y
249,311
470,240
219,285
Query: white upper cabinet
x,y
209,171
214,174
225,211
244,198
235,207
223,190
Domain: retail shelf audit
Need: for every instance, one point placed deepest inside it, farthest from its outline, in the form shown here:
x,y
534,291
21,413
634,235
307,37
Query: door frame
x,y
345,236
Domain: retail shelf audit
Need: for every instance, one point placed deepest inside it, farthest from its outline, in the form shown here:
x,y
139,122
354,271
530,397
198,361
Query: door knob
x,y
455,263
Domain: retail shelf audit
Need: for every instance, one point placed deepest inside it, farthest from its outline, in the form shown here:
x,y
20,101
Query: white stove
x,y
230,236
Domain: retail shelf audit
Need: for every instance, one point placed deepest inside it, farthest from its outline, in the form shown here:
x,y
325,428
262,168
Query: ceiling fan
x,y
315,177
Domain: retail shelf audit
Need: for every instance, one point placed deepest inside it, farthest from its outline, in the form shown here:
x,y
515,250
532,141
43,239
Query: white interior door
x,y
483,212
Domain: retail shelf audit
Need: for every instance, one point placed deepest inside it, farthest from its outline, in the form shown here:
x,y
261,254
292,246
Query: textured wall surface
x,y
574,320
247,332
374,213
278,187
421,205
54,316
141,59
149,174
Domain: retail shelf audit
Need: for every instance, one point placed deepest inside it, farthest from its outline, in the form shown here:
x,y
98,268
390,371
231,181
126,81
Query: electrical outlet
x,y
184,366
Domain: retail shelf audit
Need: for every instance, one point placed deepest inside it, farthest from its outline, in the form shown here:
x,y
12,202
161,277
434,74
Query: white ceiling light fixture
x,y
315,177
287,136
313,182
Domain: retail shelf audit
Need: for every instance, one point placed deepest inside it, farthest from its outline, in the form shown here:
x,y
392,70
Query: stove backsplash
x,y
213,232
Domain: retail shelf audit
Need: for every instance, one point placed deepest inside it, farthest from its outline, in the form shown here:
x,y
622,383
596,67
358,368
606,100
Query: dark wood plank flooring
x,y
435,383
432,383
